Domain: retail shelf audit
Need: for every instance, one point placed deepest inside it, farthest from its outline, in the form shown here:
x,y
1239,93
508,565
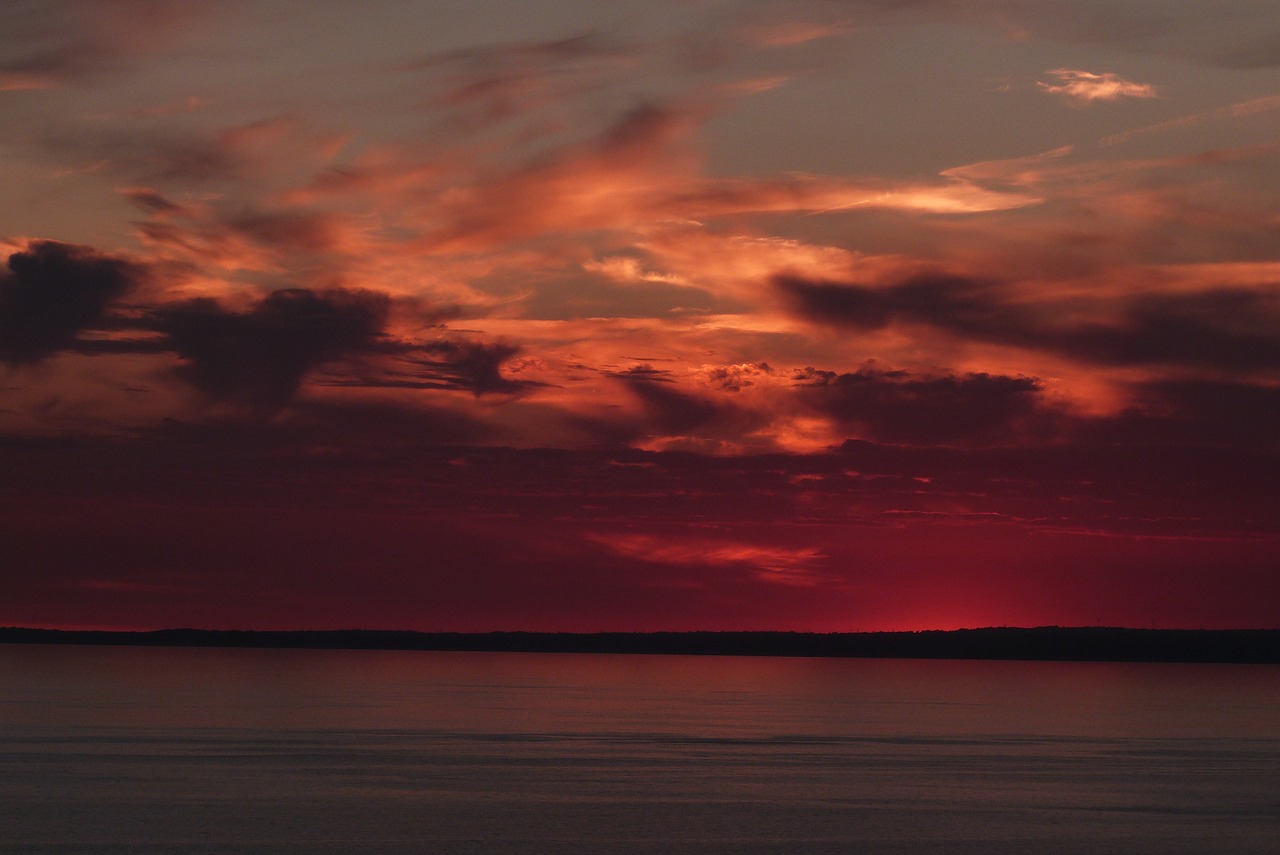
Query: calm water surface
x,y
115,750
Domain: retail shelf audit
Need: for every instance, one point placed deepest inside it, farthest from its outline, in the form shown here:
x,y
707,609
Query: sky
x,y
676,315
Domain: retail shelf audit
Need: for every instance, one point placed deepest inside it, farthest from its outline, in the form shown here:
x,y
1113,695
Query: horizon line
x,y
1047,643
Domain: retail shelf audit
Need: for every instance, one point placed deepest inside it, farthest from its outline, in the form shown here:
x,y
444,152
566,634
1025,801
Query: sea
x,y
184,750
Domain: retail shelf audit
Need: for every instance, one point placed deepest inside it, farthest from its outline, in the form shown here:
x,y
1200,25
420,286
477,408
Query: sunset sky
x,y
682,314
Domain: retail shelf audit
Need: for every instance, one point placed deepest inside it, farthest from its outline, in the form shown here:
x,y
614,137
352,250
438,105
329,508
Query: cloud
x,y
642,172
1227,328
1217,413
1238,110
489,84
260,357
256,355
671,418
780,564
1223,328
1085,86
672,412
676,419
247,156
645,371
606,183
625,268
735,378
51,43
959,303
469,366
302,245
53,291
900,408
818,194
301,231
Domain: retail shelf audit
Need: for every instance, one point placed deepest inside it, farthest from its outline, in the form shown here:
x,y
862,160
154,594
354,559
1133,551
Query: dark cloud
x,y
1224,328
51,292
707,421
1190,413
451,364
692,421
1221,328
307,231
258,357
644,371
672,411
53,42
899,408
151,201
261,356
960,303
464,365
838,304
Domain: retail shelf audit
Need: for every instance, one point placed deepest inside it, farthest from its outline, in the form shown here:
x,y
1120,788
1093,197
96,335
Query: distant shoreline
x,y
1088,644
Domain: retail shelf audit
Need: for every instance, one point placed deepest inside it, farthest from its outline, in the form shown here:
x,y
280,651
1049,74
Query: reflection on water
x,y
186,751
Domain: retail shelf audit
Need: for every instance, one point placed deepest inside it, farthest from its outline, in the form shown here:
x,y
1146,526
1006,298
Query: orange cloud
x,y
643,173
1086,87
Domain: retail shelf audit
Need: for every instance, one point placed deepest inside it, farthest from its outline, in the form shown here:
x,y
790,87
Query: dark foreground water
x,y
115,750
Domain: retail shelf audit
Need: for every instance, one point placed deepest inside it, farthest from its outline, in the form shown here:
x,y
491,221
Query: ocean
x,y
175,751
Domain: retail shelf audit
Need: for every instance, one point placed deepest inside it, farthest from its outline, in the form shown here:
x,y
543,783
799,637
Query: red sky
x,y
823,315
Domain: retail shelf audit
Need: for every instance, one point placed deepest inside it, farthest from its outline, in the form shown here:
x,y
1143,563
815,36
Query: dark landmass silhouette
x,y
1049,643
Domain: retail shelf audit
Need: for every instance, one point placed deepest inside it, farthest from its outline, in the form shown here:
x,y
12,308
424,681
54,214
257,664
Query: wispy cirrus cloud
x,y
642,172
1085,87
1238,110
